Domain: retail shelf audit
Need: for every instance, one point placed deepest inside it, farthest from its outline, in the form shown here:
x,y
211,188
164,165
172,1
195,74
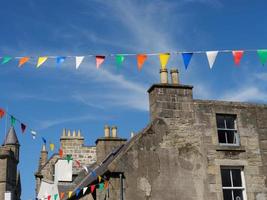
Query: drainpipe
x,y
121,190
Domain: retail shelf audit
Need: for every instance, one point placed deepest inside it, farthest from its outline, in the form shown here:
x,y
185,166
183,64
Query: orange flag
x,y
141,58
62,195
99,60
23,60
106,185
237,56
60,153
2,112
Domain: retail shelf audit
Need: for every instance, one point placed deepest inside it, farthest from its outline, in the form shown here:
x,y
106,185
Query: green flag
x,y
6,59
119,60
13,120
263,55
101,186
55,196
69,158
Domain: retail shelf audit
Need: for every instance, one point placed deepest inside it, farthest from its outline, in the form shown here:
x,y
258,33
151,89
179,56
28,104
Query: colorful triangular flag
x,y
41,61
84,190
55,196
99,60
106,184
2,113
186,58
79,60
211,55
101,186
85,168
99,179
69,158
33,134
60,59
94,174
23,60
77,192
52,146
23,127
12,120
78,163
48,197
92,188
62,194
164,58
141,58
70,193
119,60
237,56
44,140
6,59
262,53
60,152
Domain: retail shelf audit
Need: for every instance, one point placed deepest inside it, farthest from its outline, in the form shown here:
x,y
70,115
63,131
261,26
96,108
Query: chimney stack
x,y
114,131
175,76
107,131
163,76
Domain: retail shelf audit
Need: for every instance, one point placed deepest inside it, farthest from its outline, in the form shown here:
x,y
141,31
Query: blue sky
x,y
57,96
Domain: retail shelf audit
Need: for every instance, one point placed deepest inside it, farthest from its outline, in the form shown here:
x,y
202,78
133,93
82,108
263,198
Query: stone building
x,y
191,149
10,187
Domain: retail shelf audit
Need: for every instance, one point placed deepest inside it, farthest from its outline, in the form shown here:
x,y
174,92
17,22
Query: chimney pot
x,y
64,132
175,76
69,133
163,76
114,131
107,131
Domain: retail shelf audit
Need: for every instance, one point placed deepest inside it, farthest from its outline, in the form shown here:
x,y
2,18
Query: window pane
x,y
227,195
238,195
230,137
236,174
230,121
222,136
226,179
220,121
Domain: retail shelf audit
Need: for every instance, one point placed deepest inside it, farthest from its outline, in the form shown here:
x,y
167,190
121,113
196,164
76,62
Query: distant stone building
x,y
191,150
10,186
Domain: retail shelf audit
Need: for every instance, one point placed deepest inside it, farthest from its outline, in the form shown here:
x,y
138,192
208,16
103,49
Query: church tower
x,y
9,159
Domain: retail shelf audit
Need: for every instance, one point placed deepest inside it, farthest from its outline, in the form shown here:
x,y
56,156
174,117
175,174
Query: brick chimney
x,y
167,100
105,145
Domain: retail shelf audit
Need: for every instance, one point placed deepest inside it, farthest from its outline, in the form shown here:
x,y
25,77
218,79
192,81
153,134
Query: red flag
x,y
60,153
2,112
237,56
92,188
141,58
23,127
49,197
78,163
99,60
62,195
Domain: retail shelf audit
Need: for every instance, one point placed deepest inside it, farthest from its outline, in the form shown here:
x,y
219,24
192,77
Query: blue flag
x,y
187,57
44,140
77,192
60,59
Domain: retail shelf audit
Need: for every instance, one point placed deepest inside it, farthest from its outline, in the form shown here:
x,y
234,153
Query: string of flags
x,y
140,58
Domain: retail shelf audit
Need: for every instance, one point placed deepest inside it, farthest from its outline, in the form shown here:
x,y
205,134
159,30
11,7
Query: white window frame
x,y
236,135
243,188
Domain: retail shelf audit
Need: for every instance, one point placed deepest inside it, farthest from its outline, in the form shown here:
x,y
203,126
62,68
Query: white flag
x,y
33,134
79,60
85,168
84,189
211,55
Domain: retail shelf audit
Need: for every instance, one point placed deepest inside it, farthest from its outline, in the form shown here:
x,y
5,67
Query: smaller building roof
x,y
11,137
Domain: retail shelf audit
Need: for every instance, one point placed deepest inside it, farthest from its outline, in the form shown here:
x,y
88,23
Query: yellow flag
x,y
164,58
52,146
99,179
40,61
70,193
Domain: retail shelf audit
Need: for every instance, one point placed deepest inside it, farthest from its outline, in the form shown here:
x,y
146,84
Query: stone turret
x,y
12,143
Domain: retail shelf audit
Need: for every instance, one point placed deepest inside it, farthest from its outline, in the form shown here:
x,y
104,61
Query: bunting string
x,y
140,57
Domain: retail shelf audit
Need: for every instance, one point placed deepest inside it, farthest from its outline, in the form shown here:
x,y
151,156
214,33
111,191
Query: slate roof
x,y
11,137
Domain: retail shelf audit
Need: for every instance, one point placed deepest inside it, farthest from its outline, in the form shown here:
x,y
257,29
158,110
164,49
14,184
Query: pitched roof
x,y
11,137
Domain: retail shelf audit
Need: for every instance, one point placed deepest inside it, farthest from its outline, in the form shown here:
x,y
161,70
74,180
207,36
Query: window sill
x,y
230,148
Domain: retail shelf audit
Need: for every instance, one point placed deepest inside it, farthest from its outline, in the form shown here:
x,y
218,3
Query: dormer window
x,y
227,130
